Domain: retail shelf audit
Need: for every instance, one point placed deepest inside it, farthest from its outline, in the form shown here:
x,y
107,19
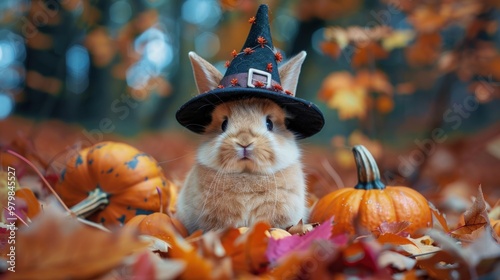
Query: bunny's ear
x,y
207,77
289,72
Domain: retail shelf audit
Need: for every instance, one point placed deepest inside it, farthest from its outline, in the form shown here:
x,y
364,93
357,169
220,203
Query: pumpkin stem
x,y
95,201
368,173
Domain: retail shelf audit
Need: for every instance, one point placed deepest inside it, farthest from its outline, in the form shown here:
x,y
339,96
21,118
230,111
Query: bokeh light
x,y
207,44
153,3
286,27
6,105
317,38
10,78
120,11
7,53
77,64
139,74
204,13
12,55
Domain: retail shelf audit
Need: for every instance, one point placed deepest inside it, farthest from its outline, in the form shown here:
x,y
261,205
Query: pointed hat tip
x,y
262,12
260,28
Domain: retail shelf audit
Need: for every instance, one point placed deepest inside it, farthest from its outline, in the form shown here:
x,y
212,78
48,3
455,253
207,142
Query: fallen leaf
x,y
314,263
396,260
421,246
57,246
444,265
147,265
400,243
210,247
248,251
197,267
144,267
475,217
438,219
396,228
361,257
483,253
156,245
301,228
281,247
32,203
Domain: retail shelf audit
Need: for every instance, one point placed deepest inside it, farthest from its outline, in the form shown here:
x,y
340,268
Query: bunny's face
x,y
248,136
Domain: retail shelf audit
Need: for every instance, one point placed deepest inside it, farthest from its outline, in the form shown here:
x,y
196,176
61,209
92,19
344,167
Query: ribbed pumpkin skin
x,y
372,202
128,176
392,204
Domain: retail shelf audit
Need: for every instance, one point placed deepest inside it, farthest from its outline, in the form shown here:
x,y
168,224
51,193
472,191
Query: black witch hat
x,y
253,73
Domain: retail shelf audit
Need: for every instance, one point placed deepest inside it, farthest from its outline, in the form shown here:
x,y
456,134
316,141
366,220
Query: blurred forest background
x,y
416,82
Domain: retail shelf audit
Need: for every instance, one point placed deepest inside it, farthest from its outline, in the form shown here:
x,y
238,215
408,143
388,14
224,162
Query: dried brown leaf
x,y
438,219
301,228
56,246
396,260
445,265
475,217
392,227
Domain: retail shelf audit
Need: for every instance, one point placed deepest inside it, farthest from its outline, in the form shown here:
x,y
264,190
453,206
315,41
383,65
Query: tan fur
x,y
222,190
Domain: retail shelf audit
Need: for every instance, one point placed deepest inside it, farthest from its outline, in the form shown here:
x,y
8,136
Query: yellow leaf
x,y
398,39
350,103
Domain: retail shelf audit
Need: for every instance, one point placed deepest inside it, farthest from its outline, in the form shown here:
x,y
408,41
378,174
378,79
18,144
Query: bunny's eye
x,y
224,125
269,124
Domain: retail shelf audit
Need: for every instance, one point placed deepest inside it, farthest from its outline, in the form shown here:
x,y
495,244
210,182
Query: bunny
x,y
248,165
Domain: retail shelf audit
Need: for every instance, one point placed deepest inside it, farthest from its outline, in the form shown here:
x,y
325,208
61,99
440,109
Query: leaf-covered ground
x,y
51,243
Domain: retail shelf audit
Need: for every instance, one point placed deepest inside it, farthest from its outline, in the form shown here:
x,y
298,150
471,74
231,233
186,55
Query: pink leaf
x,y
278,248
144,267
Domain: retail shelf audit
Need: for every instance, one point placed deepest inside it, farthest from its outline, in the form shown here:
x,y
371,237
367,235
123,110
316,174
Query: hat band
x,y
253,79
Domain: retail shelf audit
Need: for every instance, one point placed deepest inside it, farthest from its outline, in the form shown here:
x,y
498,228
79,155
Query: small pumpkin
x,y
371,201
112,182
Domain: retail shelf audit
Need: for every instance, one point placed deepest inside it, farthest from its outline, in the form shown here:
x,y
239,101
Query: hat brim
x,y
306,119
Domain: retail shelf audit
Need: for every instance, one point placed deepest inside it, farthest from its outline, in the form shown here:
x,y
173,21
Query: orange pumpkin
x,y
154,225
371,201
112,182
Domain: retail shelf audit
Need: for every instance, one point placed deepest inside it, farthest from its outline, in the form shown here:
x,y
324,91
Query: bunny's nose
x,y
244,146
245,153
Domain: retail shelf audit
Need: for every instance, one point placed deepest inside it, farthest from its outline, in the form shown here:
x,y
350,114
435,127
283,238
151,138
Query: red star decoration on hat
x,y
248,51
262,41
